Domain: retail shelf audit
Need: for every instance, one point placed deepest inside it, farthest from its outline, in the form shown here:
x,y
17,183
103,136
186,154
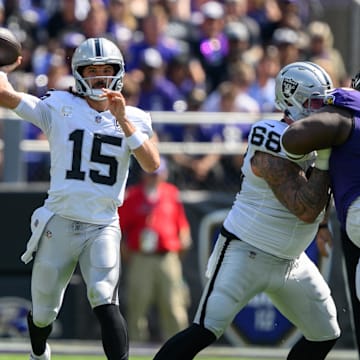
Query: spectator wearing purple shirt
x,y
152,34
157,92
185,73
212,46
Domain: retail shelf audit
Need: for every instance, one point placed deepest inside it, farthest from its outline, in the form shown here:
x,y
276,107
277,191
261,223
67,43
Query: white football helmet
x,y
97,51
298,82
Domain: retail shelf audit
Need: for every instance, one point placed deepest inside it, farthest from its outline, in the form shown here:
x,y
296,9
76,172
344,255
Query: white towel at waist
x,y
39,219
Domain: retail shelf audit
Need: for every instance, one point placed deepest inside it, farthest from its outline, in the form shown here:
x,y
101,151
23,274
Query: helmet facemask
x,y
355,82
92,86
97,51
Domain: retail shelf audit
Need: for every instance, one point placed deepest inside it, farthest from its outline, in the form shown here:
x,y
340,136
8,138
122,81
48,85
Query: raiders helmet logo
x,y
289,87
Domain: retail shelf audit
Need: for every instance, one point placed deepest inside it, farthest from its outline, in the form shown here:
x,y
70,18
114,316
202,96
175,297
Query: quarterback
x,y
92,134
260,248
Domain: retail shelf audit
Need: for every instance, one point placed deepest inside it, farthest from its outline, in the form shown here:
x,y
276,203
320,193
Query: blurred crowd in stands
x,y
180,55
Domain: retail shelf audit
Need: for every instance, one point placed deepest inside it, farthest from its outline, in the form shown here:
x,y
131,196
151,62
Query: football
x,y
10,47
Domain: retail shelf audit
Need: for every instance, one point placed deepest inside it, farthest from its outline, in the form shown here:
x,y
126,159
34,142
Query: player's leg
x,y
113,331
306,301
224,295
351,256
186,344
100,267
306,349
38,338
53,267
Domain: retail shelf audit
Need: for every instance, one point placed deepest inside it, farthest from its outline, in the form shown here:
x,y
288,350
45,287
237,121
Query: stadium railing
x,y
13,145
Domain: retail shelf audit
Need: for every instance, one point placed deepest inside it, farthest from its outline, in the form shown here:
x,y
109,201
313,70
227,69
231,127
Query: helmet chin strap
x,y
291,115
97,98
95,95
295,114
288,114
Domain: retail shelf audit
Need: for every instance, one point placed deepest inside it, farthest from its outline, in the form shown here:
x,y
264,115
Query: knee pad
x,y
34,328
102,293
43,317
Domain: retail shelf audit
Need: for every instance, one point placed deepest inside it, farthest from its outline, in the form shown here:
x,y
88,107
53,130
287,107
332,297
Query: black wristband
x,y
323,226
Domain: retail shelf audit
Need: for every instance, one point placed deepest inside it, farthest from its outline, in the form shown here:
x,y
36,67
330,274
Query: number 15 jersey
x,y
89,154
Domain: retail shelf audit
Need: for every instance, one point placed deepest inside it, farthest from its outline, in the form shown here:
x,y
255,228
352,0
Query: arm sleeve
x,y
34,110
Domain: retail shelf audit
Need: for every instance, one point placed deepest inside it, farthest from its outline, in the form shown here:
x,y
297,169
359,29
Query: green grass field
x,y
89,357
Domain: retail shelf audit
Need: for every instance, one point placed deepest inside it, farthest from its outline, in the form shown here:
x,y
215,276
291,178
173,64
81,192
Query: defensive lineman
x,y
91,135
337,126
261,246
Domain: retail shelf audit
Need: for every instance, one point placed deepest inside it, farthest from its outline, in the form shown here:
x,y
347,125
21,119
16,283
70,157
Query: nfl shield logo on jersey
x,y
289,87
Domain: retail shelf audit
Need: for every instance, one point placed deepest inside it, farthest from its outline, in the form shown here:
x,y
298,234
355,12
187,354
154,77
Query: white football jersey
x,y
89,154
257,216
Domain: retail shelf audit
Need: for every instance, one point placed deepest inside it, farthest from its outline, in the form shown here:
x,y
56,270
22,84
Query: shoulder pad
x,y
54,95
271,125
265,136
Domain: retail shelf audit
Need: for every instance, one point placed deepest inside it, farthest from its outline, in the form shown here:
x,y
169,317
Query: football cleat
x,y
45,356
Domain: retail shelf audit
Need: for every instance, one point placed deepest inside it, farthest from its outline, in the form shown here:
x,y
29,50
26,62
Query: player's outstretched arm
x,y
9,98
305,198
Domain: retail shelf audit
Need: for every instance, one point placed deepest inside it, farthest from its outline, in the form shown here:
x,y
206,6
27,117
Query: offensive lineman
x,y
91,134
261,245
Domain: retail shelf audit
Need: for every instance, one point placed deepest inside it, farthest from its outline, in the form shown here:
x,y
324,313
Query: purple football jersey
x,y
345,158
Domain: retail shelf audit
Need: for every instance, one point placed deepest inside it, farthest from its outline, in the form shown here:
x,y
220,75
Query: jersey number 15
x,y
77,136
